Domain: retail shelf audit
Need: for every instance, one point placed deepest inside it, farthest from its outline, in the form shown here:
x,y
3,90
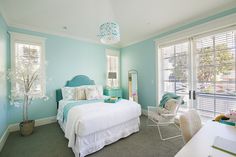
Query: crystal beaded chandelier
x,y
109,33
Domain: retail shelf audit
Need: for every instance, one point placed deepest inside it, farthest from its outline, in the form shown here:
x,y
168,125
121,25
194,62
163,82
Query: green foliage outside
x,y
212,63
209,67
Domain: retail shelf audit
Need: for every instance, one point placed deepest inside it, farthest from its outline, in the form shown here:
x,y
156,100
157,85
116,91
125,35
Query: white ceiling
x,y
138,19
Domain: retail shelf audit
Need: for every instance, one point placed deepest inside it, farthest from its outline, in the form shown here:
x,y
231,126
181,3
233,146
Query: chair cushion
x,y
161,110
171,105
166,97
190,124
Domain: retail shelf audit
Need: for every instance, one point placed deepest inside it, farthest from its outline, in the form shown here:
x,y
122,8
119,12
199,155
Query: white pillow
x,y
92,93
80,93
68,93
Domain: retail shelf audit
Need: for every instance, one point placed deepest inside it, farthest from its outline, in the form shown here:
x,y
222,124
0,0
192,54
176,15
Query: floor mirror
x,y
133,85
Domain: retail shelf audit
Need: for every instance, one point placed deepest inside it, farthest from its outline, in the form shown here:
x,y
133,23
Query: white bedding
x,y
86,119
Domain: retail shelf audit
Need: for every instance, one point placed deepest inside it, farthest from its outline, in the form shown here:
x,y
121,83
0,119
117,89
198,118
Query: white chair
x,y
190,124
164,116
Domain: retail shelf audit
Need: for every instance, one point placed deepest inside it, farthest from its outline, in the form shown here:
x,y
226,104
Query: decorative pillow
x,y
92,93
80,93
68,93
171,105
99,88
161,110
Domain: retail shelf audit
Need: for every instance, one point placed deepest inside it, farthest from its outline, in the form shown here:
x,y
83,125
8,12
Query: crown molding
x,y
41,30
50,32
56,33
3,15
217,25
173,29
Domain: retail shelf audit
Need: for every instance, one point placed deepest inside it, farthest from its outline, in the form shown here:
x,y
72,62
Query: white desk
x,y
201,143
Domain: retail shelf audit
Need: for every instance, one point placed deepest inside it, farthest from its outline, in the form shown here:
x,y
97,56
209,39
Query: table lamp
x,y
112,75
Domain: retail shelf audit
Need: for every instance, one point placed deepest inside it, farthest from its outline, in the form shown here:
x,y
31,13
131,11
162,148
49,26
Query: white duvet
x,y
89,118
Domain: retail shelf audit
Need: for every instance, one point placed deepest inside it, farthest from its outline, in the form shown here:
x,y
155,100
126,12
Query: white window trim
x,y
218,25
29,39
112,52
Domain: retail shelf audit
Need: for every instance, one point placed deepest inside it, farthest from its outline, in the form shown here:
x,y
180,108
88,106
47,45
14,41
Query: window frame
x,y
183,32
161,70
30,40
116,53
215,95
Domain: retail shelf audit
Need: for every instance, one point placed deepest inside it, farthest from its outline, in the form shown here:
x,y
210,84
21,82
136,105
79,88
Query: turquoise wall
x,y
65,58
141,57
4,43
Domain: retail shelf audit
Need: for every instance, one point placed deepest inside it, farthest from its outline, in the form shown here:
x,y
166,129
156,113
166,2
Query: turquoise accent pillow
x,y
167,97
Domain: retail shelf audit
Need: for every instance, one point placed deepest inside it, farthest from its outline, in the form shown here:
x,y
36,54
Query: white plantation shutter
x,y
28,55
216,86
113,65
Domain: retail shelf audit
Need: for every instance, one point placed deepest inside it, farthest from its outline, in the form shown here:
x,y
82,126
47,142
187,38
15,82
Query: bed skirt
x,y
93,142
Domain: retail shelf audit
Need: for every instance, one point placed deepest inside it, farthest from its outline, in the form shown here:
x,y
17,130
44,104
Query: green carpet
x,y
49,141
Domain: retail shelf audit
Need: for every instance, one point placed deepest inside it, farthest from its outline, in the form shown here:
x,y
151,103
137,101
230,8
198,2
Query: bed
x,y
89,125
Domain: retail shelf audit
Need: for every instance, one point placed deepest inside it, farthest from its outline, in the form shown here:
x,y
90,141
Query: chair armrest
x,y
168,115
152,107
152,111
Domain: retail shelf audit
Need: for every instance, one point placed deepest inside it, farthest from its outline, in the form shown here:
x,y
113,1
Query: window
x,y
215,73
174,70
113,68
202,69
27,61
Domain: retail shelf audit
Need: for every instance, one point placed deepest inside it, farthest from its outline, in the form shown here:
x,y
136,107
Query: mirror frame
x,y
135,72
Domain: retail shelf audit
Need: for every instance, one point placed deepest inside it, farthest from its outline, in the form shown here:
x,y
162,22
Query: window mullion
x,y
192,71
235,60
214,63
175,67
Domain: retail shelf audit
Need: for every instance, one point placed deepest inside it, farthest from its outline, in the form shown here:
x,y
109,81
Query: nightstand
x,y
114,92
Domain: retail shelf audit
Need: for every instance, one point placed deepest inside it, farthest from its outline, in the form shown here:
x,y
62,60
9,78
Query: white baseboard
x,y
15,127
4,138
44,121
38,122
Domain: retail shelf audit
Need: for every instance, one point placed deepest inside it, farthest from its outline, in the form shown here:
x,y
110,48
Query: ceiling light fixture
x,y
109,33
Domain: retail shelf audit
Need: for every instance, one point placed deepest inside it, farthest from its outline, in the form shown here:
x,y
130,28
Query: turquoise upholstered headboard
x,y
78,80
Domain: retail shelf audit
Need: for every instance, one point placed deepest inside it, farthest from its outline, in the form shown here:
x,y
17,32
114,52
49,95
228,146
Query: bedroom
x,y
69,37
